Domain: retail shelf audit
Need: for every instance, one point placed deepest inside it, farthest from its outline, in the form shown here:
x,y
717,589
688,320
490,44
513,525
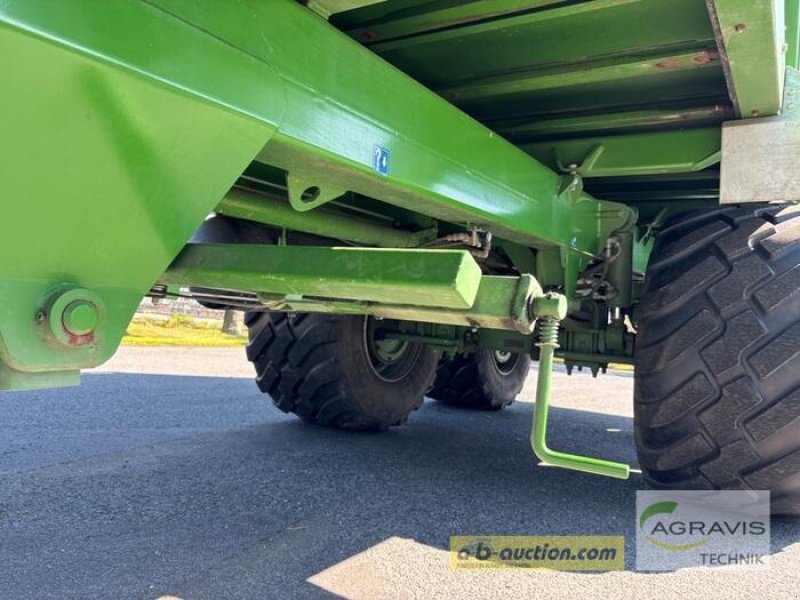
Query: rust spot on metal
x,y
80,340
706,57
669,64
755,112
740,28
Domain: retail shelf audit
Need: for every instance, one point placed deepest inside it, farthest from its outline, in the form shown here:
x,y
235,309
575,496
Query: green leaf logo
x,y
658,508
661,508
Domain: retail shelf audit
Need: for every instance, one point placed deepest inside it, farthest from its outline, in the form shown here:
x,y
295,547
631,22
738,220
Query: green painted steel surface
x,y
696,70
793,34
436,278
595,56
600,70
113,157
647,153
343,105
324,222
503,303
624,121
326,8
414,17
138,149
126,122
753,39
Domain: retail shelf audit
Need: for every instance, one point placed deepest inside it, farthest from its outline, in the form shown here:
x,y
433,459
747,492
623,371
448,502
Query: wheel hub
x,y
505,361
390,359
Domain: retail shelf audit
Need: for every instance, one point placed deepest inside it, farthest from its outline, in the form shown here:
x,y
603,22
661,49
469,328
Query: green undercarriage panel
x,y
343,105
116,154
108,167
126,122
554,76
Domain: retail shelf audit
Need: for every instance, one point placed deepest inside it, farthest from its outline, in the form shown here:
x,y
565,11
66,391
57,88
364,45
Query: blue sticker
x,y
380,160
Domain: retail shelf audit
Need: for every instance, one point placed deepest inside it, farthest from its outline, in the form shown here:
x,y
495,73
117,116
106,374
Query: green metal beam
x,y
554,64
372,130
432,286
793,34
326,8
435,278
562,34
504,303
633,154
751,38
419,20
620,121
325,222
671,186
628,70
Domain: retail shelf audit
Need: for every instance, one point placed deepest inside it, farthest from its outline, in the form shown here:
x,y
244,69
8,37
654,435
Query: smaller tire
x,y
485,380
337,371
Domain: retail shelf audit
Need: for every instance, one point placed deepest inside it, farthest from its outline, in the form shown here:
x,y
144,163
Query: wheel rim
x,y
390,359
505,361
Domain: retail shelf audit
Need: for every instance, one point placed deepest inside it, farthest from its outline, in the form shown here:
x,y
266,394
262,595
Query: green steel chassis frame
x,y
453,232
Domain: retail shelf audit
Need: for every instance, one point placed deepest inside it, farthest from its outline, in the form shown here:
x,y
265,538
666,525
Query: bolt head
x,y
74,316
80,318
550,306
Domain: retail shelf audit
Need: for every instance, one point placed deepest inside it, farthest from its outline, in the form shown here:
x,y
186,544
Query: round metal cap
x,y
80,317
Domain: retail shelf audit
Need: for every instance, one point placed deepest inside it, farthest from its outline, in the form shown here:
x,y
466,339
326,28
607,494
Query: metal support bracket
x,y
306,194
759,155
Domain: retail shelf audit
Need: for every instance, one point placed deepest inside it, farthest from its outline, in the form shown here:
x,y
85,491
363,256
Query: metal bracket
x,y
306,194
759,155
583,168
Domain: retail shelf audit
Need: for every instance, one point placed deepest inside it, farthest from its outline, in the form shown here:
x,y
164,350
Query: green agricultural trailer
x,y
420,197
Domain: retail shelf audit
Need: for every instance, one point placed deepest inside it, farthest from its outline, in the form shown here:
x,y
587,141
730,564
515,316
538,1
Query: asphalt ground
x,y
168,475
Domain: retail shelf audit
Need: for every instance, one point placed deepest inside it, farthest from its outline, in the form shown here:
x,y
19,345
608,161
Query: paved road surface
x,y
167,475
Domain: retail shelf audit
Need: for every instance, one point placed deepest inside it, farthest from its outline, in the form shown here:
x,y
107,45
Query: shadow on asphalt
x,y
138,486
